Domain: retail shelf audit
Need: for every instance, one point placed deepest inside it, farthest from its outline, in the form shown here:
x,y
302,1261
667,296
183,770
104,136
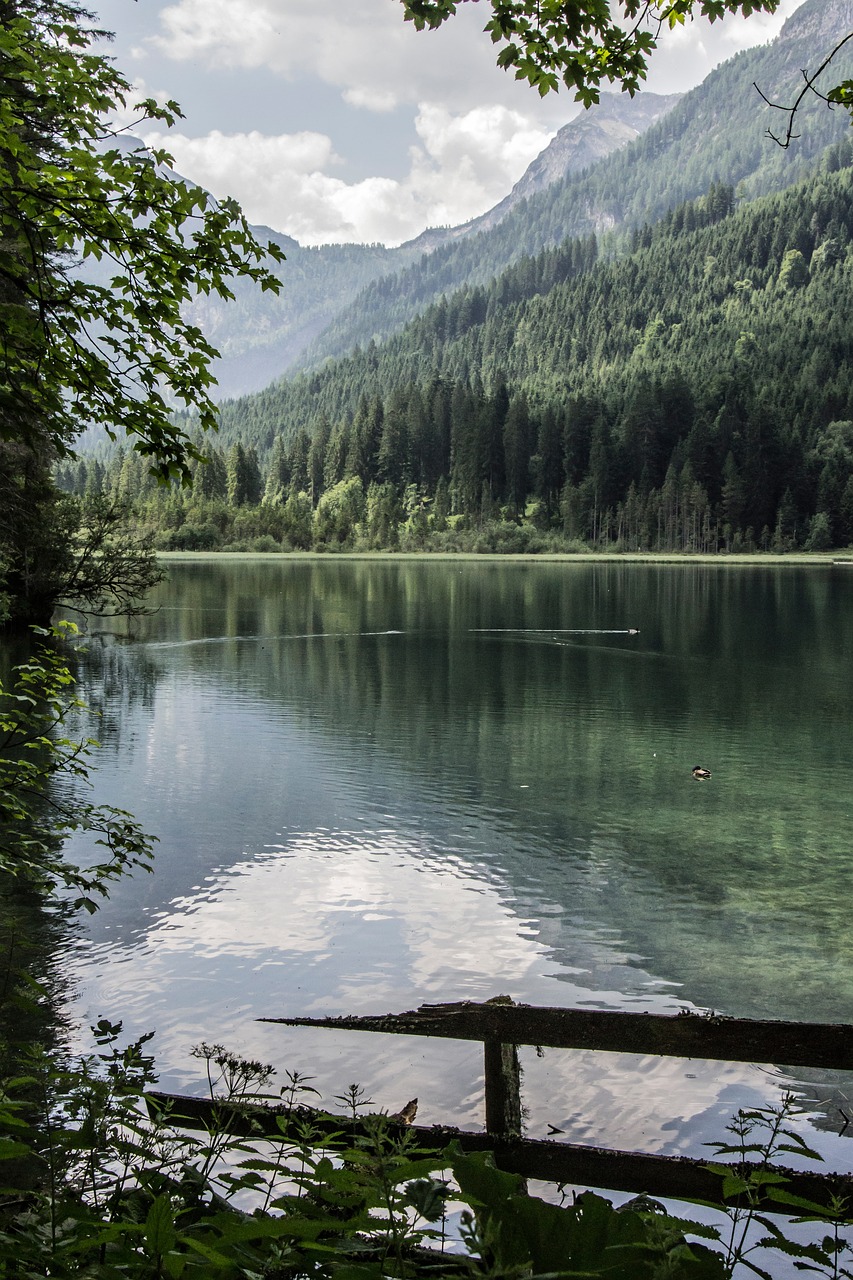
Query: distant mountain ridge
x,y
260,336
622,164
716,133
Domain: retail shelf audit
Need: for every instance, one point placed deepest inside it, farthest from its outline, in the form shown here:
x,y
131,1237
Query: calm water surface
x,y
382,783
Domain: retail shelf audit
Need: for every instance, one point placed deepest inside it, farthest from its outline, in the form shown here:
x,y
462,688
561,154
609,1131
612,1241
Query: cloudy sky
x,y
333,120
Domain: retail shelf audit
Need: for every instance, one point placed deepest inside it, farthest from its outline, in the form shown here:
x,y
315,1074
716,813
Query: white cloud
x,y
376,60
361,47
371,99
477,128
738,33
464,164
227,162
493,143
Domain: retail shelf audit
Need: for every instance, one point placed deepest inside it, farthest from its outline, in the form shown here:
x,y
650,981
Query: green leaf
x,y
160,1234
811,1207
10,1150
205,1250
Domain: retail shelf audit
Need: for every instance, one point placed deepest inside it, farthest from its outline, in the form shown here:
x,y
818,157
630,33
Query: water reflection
x,y
367,796
332,923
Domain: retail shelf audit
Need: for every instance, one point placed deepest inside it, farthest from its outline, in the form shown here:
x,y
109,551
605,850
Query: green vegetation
x,y
549,41
58,549
41,773
694,394
116,351
111,353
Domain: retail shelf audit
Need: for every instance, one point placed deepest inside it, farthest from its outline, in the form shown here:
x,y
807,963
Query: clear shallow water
x,y
382,783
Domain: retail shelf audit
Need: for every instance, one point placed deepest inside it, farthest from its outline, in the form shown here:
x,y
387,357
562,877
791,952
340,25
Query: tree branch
x,y
808,87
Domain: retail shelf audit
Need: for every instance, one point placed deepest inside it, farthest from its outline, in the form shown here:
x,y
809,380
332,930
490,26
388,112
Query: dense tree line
x,y
695,394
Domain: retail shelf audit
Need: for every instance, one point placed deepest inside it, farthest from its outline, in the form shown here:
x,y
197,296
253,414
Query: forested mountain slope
x,y
695,393
716,133
261,335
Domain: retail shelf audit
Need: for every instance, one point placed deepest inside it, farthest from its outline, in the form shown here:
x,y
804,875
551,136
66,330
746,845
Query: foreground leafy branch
x,y
42,770
110,567
112,349
581,45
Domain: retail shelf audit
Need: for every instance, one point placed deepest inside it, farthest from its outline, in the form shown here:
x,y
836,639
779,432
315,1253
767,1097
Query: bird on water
x,y
700,773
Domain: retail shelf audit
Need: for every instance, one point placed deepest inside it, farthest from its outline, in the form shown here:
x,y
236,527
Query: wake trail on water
x,y
340,635
556,631
290,635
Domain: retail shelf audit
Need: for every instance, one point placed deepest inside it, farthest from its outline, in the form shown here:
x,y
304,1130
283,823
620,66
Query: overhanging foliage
x,y
118,353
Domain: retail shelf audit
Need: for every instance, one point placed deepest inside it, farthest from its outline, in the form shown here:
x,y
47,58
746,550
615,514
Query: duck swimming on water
x,y
700,773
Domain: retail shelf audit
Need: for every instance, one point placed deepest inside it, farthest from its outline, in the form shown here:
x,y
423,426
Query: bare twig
x,y
808,87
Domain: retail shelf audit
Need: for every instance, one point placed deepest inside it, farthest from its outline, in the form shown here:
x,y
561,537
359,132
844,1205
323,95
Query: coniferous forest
x,y
685,387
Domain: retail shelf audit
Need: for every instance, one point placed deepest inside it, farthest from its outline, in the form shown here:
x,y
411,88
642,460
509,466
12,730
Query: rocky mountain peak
x,y
825,21
614,122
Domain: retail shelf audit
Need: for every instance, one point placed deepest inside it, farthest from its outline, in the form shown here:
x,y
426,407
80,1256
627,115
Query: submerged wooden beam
x,y
682,1035
674,1177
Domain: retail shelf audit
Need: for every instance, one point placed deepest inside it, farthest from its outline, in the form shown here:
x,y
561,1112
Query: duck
x,y
700,773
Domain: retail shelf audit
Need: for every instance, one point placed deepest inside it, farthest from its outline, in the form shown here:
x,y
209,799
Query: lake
x,y
378,783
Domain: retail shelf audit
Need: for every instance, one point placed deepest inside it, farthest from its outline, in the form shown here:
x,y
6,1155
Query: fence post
x,y
503,1089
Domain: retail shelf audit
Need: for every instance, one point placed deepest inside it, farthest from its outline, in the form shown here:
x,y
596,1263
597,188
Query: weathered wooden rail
x,y
502,1025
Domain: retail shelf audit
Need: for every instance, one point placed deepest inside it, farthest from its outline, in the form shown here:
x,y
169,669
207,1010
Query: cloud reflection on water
x,y
336,922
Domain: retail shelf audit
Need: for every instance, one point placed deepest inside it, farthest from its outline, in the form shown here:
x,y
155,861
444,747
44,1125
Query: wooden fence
x,y
502,1025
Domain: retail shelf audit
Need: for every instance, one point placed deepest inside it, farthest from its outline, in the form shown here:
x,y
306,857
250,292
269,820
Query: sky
x,y
335,121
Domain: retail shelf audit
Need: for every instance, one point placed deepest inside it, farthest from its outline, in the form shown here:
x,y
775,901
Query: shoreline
x,y
839,559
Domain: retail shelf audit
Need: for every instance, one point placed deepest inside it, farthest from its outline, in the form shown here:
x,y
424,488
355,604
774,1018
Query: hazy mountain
x,y
260,334
616,121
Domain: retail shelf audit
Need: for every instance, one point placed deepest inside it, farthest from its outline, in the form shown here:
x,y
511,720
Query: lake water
x,y
382,783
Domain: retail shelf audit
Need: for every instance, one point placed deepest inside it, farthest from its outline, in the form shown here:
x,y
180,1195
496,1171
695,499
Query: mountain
x,y
594,134
260,335
715,133
714,289
692,393
616,121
